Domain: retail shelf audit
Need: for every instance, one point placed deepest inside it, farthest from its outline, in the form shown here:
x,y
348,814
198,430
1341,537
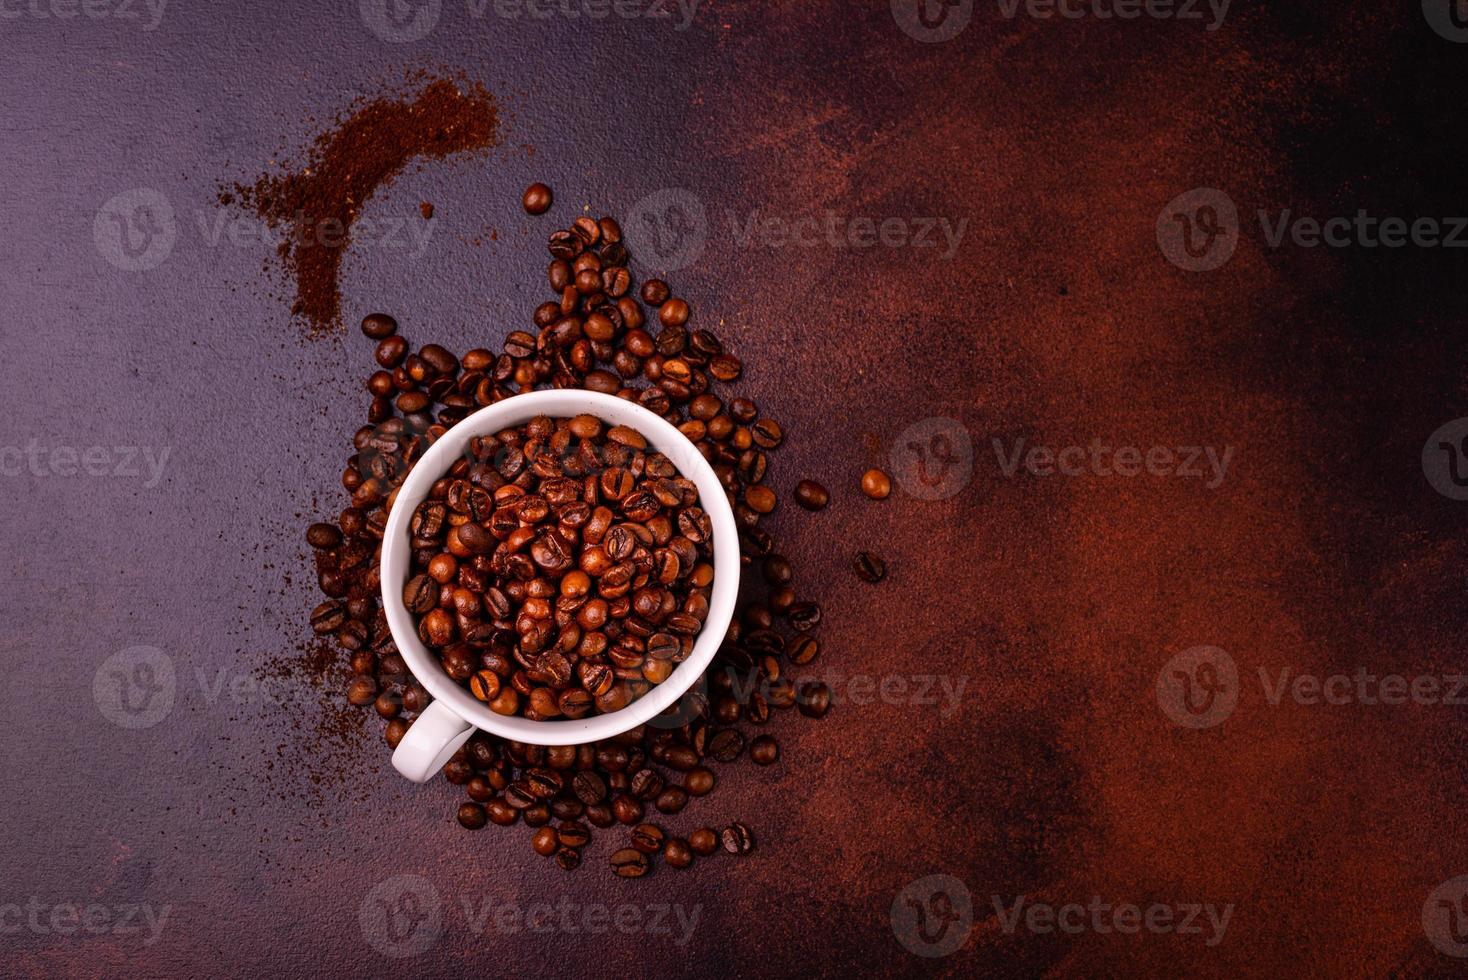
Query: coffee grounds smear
x,y
315,207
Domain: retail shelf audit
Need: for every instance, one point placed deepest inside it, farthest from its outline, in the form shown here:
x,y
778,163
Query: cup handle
x,y
434,736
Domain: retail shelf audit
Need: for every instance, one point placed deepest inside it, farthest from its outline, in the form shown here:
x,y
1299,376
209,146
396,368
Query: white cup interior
x,y
560,403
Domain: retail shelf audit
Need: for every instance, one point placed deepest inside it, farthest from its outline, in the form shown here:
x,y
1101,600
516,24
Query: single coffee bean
x,y
876,484
699,782
870,567
391,351
804,616
761,499
703,841
471,816
677,853
362,691
629,863
537,199
777,570
568,859
323,537
737,839
672,800
802,648
764,750
811,495
814,699
647,838
379,326
655,292
726,744
589,787
545,842
574,834
328,618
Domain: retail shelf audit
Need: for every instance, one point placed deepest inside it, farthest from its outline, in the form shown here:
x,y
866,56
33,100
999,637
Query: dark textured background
x,y
263,828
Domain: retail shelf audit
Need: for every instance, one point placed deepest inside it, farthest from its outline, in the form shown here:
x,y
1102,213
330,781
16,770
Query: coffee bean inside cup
x,y
583,568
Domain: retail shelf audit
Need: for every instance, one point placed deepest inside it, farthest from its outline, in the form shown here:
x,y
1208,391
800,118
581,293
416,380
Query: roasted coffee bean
x,y
545,841
737,839
655,292
802,648
391,351
726,744
699,782
573,834
870,567
677,853
804,615
776,569
703,841
536,199
379,326
328,617
811,495
814,699
673,313
589,787
627,810
568,859
471,816
764,750
876,484
647,838
761,499
629,863
323,537
362,690
646,784
420,594
672,800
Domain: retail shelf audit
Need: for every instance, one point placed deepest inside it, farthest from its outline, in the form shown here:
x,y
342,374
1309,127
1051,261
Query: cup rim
x,y
516,410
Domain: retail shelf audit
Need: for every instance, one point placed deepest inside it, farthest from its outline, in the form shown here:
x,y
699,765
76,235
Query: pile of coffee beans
x,y
599,333
560,568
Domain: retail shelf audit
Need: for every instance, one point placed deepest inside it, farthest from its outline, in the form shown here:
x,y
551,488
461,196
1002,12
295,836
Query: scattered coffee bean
x,y
677,853
876,484
703,841
545,842
537,199
323,537
870,567
629,863
811,495
568,859
764,750
379,326
647,838
471,815
737,839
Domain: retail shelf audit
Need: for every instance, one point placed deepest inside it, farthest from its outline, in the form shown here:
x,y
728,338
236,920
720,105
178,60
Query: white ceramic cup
x,y
439,731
